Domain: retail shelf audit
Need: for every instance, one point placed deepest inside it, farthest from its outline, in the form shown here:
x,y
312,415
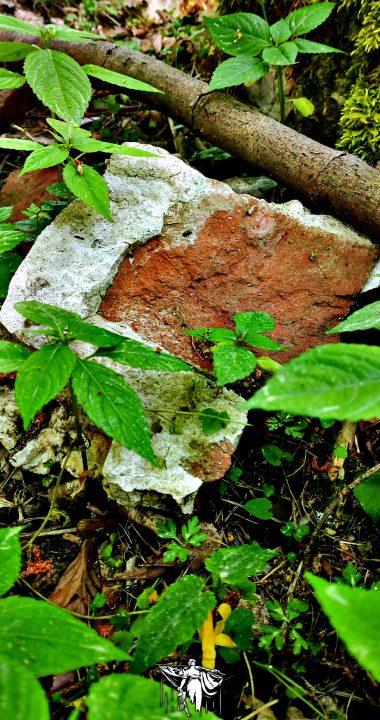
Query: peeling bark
x,y
328,180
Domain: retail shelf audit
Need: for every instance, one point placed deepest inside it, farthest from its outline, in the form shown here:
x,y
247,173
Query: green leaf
x,y
10,559
183,608
307,18
21,695
331,381
62,32
113,406
368,494
48,639
284,54
280,31
274,455
235,564
239,33
10,51
45,157
267,364
90,187
10,80
355,615
260,508
309,47
16,144
59,82
364,319
137,355
12,356
239,628
6,213
41,377
212,421
175,552
10,238
129,697
192,532
253,322
212,334
167,529
238,71
90,145
66,323
9,263
304,106
18,26
116,78
68,130
232,362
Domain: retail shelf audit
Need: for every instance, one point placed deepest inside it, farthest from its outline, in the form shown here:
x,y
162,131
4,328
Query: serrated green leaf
x,y
45,157
212,420
12,356
364,319
238,71
10,238
90,145
48,639
232,362
90,187
18,26
280,31
9,263
253,322
368,494
239,628
10,51
239,33
175,552
41,377
284,54
16,144
62,32
21,695
116,78
235,564
167,529
309,47
183,608
113,406
10,559
59,82
304,106
10,80
260,508
137,355
355,615
331,381
308,18
212,334
68,130
129,697
5,213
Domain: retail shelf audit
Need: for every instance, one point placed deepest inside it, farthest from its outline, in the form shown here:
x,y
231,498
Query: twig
x,y
251,680
334,503
261,709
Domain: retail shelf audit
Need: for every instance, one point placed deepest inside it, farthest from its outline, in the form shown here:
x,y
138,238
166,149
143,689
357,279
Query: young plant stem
x,y
78,428
281,92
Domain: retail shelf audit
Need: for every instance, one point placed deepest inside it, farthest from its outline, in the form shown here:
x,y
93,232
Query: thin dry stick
x,y
260,709
251,680
330,508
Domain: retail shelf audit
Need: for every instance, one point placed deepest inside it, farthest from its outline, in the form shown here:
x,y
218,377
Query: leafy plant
x,y
108,400
368,494
255,45
232,357
191,535
275,455
278,634
366,318
290,424
298,532
234,566
260,508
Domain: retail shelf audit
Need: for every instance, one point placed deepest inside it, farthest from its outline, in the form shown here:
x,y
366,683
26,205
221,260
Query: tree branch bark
x,y
326,179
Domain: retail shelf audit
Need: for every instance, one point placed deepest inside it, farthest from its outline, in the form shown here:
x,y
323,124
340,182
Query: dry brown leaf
x,y
79,583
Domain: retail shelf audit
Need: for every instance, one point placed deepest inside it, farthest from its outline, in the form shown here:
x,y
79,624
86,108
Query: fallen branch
x,y
329,180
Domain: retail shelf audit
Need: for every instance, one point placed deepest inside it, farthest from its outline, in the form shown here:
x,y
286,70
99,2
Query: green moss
x,y
360,123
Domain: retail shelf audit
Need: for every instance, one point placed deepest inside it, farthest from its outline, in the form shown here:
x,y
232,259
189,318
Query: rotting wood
x,y
328,180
